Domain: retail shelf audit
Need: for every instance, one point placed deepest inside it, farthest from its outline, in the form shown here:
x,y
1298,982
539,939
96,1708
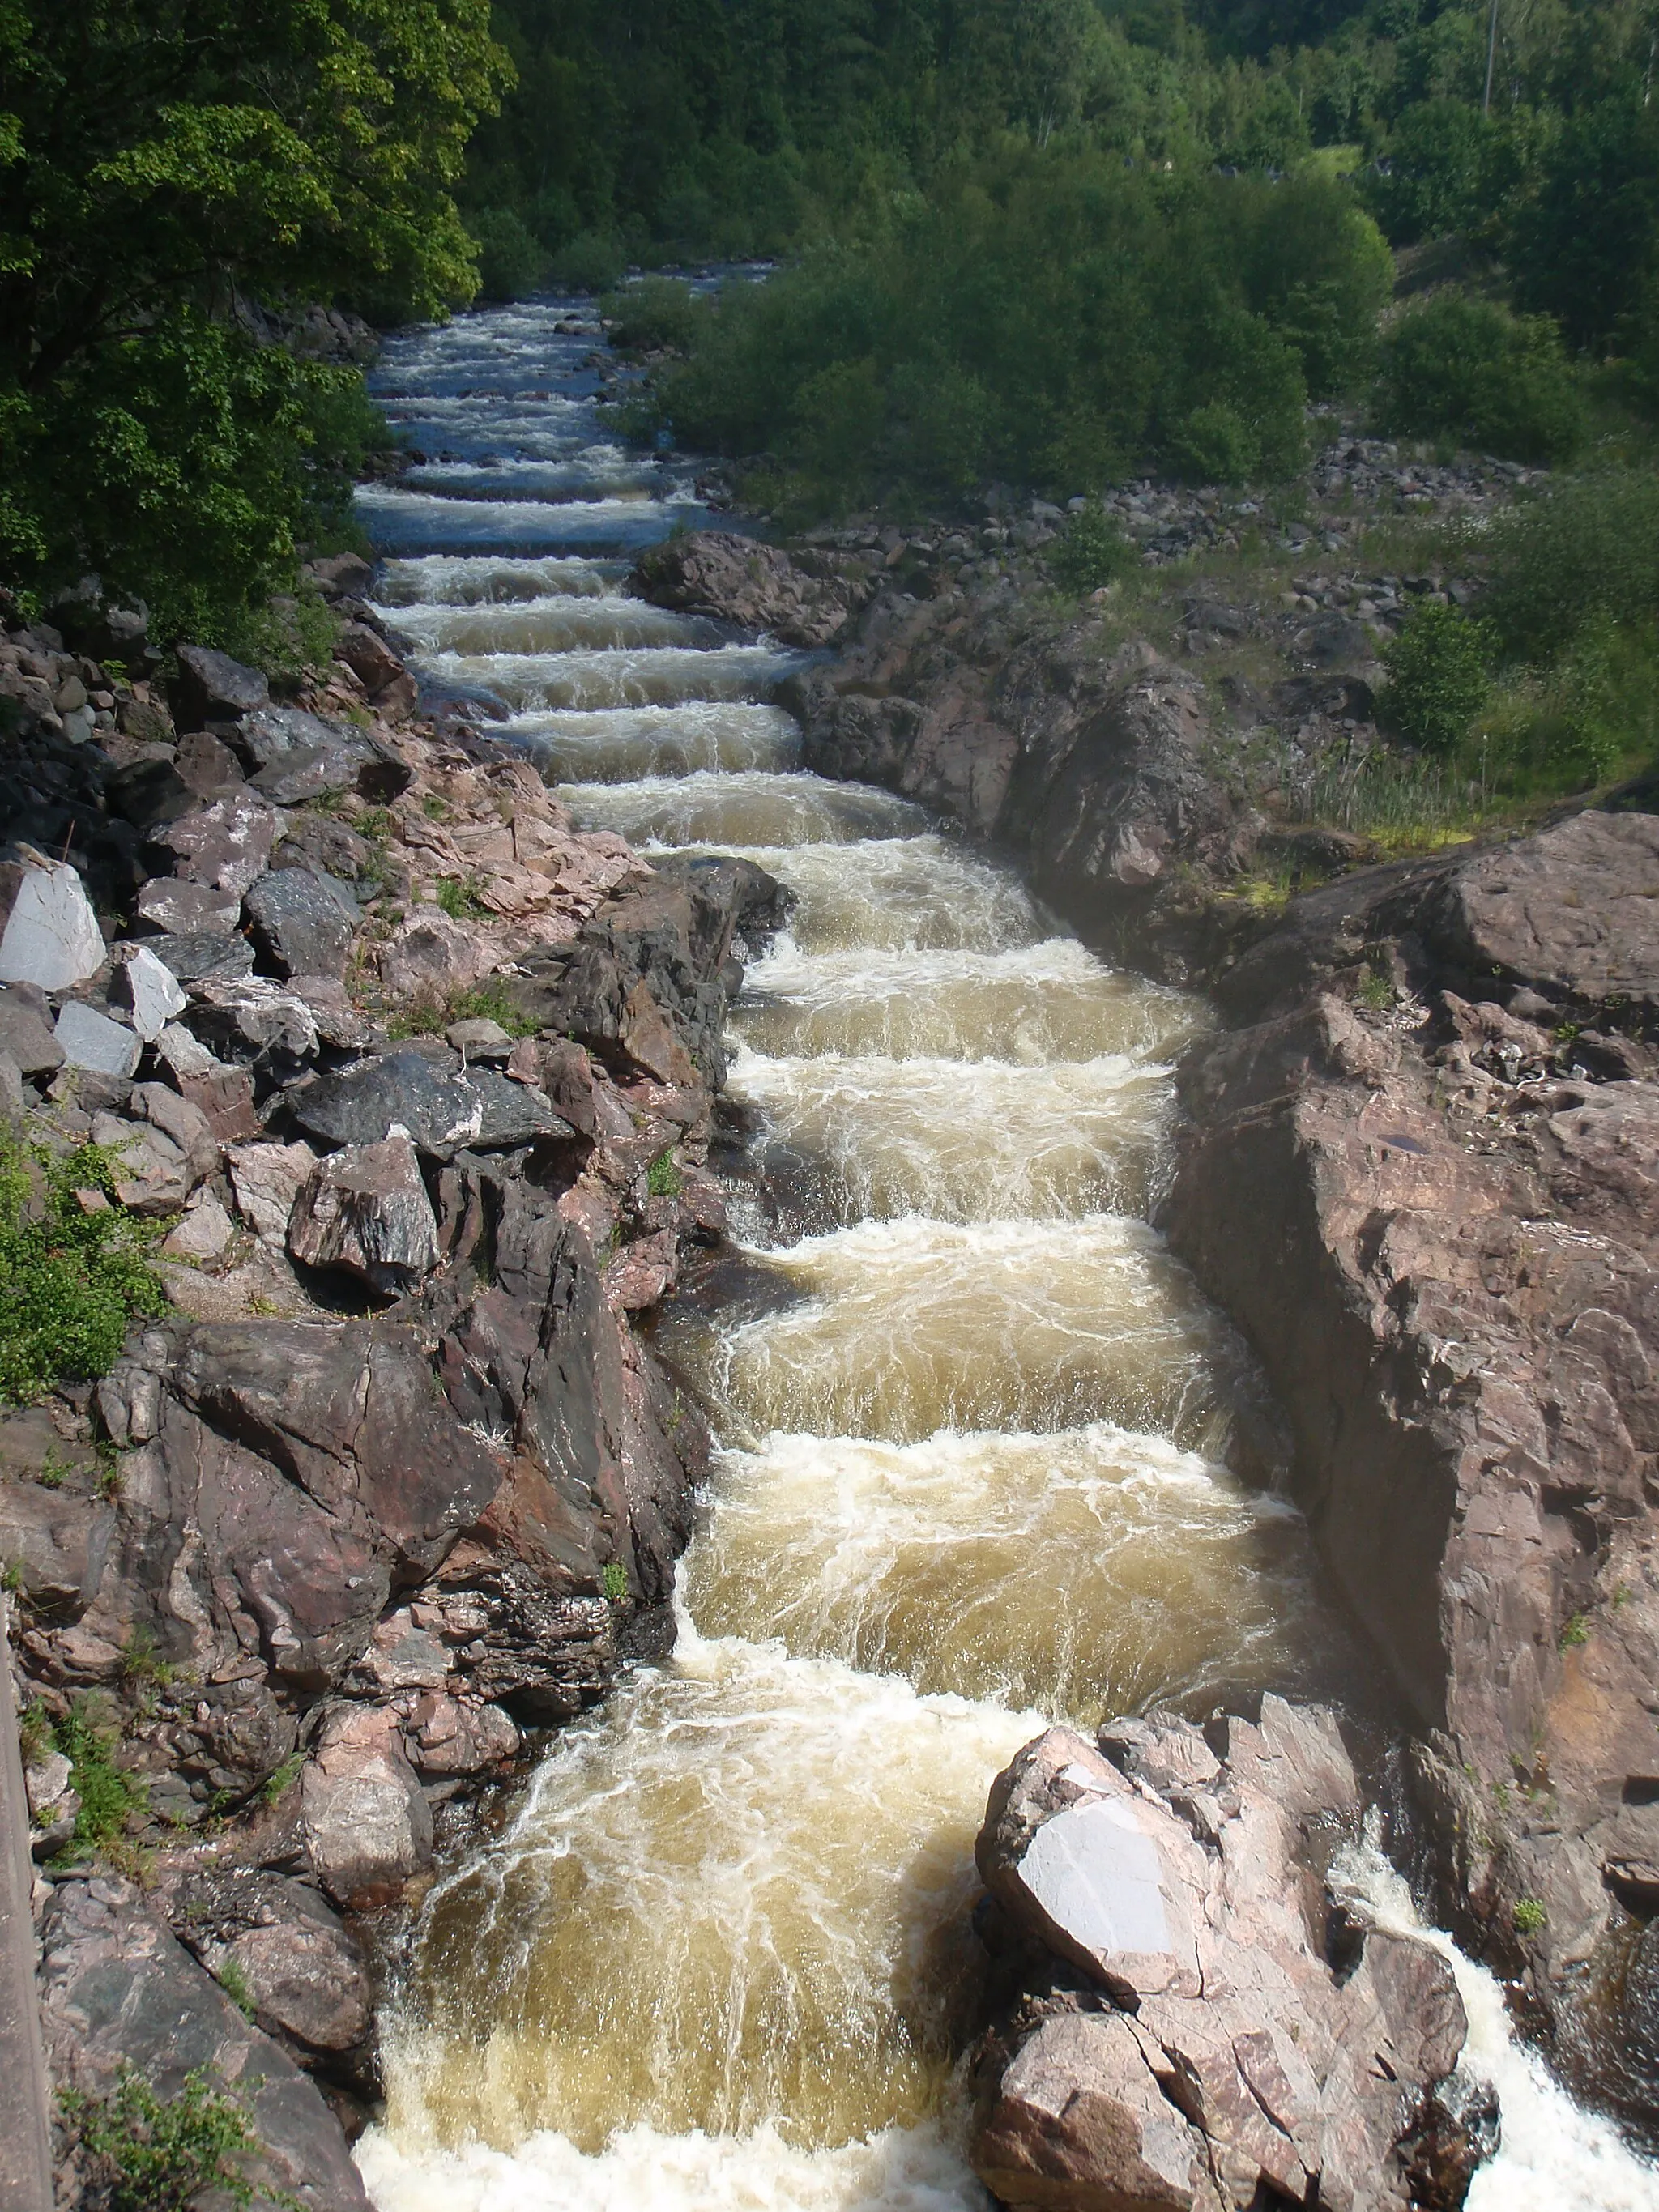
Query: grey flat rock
x,y
52,938
90,1039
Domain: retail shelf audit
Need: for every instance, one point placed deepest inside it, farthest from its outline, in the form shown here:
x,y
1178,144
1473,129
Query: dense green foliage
x,y
1469,370
156,2154
107,1793
163,164
72,1274
1438,676
1046,319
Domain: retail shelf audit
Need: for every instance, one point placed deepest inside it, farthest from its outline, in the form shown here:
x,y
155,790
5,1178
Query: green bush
x,y
1091,551
1438,157
656,313
511,260
1587,548
71,1280
156,2155
1439,679
1046,319
592,261
1468,368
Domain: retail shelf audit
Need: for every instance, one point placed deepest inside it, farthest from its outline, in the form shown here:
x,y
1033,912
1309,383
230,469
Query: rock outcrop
x,y
743,580
1191,2020
1420,1171
414,1081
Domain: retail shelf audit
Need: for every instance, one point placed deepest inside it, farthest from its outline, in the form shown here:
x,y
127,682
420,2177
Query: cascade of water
x,y
974,1441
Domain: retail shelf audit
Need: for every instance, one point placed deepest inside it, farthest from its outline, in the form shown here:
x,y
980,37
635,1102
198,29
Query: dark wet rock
x,y
738,579
118,1990
1224,2062
149,792
205,956
302,923
213,688
441,1112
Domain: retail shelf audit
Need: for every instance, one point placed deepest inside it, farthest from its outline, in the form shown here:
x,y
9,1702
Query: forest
x,y
1039,241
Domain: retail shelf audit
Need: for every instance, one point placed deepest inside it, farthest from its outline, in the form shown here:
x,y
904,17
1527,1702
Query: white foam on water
x,y
468,580
622,744
1553,2155
633,676
741,807
554,623
916,2169
421,521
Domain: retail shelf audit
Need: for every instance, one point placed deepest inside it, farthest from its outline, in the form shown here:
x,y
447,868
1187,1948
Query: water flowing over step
x,y
981,1443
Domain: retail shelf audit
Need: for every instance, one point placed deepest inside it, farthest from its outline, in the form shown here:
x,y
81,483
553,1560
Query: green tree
x,y
1468,368
163,164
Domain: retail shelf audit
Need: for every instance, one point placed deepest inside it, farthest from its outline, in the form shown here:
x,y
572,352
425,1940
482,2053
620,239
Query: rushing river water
x,y
975,1431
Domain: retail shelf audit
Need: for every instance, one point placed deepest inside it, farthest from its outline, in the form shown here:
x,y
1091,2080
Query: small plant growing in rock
x,y
280,1777
1091,551
460,899
107,1794
616,1580
233,1982
663,1179
1574,1632
1530,1916
71,1280
1375,991
162,2154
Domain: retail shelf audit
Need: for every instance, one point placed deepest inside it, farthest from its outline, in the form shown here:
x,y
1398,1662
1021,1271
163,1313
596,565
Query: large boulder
x,y
365,1209
302,923
212,687
303,1972
49,934
738,579
285,1478
118,1990
440,1111
1225,2061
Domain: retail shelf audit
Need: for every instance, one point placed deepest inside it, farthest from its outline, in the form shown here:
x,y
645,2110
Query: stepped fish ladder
x,y
976,1427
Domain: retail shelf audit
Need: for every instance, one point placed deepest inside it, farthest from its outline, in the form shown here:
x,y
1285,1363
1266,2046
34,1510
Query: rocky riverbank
x,y
1417,1168
408,1086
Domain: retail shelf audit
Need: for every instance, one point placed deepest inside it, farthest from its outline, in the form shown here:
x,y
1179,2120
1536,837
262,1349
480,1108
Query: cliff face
x,y
1419,1169
1434,1212
411,1085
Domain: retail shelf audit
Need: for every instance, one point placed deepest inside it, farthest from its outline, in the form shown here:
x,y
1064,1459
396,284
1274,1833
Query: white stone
x,y
1097,1877
51,936
184,1054
203,1233
152,992
90,1039
267,1179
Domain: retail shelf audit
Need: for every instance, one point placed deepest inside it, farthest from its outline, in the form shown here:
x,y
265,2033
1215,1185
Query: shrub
x,y
71,1280
162,2154
1091,551
1436,161
591,261
511,260
1587,548
1437,676
1470,369
1530,1918
616,1580
656,314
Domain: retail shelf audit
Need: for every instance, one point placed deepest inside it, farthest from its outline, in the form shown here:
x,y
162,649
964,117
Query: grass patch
x,y
1530,1918
156,2154
663,1179
71,1282
457,895
484,1002
616,1580
107,1794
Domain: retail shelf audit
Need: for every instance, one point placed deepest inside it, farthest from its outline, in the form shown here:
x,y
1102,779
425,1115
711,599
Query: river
x,y
981,1445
